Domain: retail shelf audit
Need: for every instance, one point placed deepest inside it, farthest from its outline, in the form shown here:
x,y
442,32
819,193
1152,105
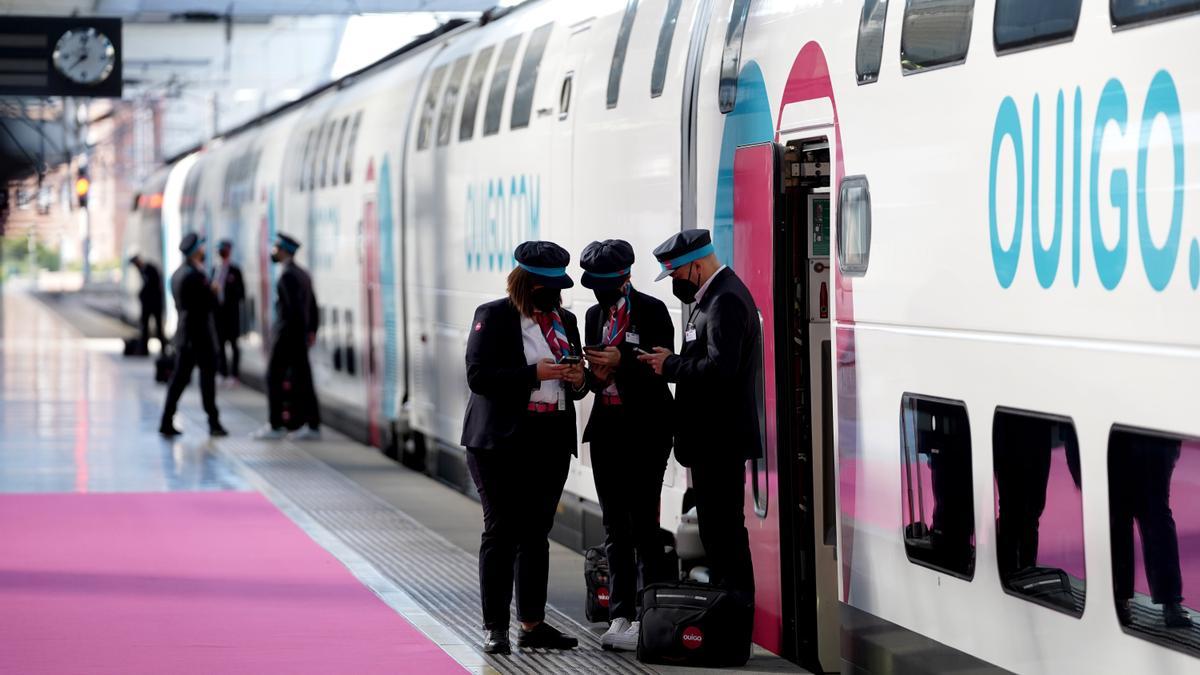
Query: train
x,y
976,364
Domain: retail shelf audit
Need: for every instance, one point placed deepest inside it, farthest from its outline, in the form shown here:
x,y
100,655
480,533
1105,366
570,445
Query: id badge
x,y
689,335
562,400
632,338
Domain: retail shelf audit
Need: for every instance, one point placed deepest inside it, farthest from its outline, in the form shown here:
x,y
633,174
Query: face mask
x,y
201,258
685,289
275,257
546,299
608,297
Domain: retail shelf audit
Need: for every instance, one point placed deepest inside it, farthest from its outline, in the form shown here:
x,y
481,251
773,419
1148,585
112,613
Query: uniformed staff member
x,y
151,299
296,323
231,291
195,337
524,372
715,398
630,439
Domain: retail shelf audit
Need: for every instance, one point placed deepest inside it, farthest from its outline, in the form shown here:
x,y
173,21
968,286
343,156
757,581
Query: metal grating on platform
x,y
440,577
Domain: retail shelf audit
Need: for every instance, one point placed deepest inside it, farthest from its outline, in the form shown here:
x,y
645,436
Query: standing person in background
x,y
525,374
715,397
231,291
629,428
295,331
151,299
195,338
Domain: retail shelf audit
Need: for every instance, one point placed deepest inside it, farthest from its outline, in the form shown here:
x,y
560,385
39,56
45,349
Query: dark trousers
x,y
629,480
156,314
1140,471
187,358
519,489
1022,465
719,484
290,357
228,367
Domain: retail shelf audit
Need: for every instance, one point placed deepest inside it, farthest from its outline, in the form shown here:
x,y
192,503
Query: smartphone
x,y
639,350
593,348
571,360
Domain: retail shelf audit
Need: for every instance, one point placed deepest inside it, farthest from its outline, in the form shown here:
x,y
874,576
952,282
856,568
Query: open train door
x,y
781,216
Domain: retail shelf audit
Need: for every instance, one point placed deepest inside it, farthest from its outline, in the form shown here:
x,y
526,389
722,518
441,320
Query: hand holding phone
x,y
571,360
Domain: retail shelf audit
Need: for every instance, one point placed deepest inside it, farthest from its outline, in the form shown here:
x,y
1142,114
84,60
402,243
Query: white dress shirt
x,y
536,349
704,286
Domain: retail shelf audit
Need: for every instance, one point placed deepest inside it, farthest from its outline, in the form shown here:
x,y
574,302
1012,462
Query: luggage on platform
x,y
690,624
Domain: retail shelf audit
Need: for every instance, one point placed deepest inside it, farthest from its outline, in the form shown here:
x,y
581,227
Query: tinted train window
x,y
618,60
466,125
1129,12
304,160
425,125
341,148
935,33
1039,509
870,40
662,55
450,100
353,145
495,102
854,226
318,142
731,58
1025,23
1154,483
527,77
936,495
321,158
326,151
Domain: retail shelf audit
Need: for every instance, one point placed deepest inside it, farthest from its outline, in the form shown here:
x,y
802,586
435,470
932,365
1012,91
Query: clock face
x,y
84,55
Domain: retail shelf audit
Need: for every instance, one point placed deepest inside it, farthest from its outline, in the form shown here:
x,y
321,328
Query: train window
x,y
1154,482
425,125
495,102
353,144
341,148
466,125
450,100
936,496
854,226
662,55
869,53
311,167
1027,23
1133,12
351,363
618,59
1039,509
527,79
308,143
731,58
935,33
326,151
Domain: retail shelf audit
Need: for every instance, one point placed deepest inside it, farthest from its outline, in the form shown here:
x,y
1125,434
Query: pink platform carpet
x,y
186,582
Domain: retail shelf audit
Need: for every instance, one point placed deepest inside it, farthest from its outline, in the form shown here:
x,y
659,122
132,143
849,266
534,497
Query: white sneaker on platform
x,y
616,630
306,434
269,433
628,641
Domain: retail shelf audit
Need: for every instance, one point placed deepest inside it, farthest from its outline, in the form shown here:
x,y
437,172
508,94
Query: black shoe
x,y
496,642
169,431
1175,616
217,431
545,636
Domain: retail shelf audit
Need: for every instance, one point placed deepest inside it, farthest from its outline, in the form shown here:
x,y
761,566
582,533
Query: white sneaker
x,y
616,630
305,434
269,433
628,641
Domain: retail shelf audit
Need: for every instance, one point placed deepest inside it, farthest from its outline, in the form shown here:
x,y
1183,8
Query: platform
x,y
136,554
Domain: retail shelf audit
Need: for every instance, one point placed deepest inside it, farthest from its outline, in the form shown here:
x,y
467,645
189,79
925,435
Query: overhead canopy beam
x,y
243,9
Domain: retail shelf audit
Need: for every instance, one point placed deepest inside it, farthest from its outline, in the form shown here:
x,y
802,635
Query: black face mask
x,y
608,297
201,258
685,289
276,257
546,299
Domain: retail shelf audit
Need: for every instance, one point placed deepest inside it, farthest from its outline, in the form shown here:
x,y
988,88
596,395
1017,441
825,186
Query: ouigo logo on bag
x,y
692,637
602,597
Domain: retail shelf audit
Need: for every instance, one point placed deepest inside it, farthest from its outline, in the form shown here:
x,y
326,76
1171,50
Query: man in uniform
x,y
151,299
195,337
295,331
231,291
715,398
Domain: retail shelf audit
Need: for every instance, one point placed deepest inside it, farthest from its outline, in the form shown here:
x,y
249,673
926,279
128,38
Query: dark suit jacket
x,y
501,381
229,314
196,304
717,376
151,295
296,313
644,395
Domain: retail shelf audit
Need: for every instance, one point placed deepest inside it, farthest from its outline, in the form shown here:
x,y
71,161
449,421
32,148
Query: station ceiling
x,y
167,10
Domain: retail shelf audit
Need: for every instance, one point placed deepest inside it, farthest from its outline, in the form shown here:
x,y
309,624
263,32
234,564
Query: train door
x,y
782,216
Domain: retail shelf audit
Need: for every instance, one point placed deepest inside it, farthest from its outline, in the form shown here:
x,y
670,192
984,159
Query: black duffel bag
x,y
690,624
595,577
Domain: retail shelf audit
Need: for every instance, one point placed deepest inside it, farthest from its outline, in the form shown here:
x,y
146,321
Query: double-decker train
x,y
979,379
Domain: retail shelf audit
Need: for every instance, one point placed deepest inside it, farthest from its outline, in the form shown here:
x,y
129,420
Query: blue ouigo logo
x,y
1128,199
499,214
